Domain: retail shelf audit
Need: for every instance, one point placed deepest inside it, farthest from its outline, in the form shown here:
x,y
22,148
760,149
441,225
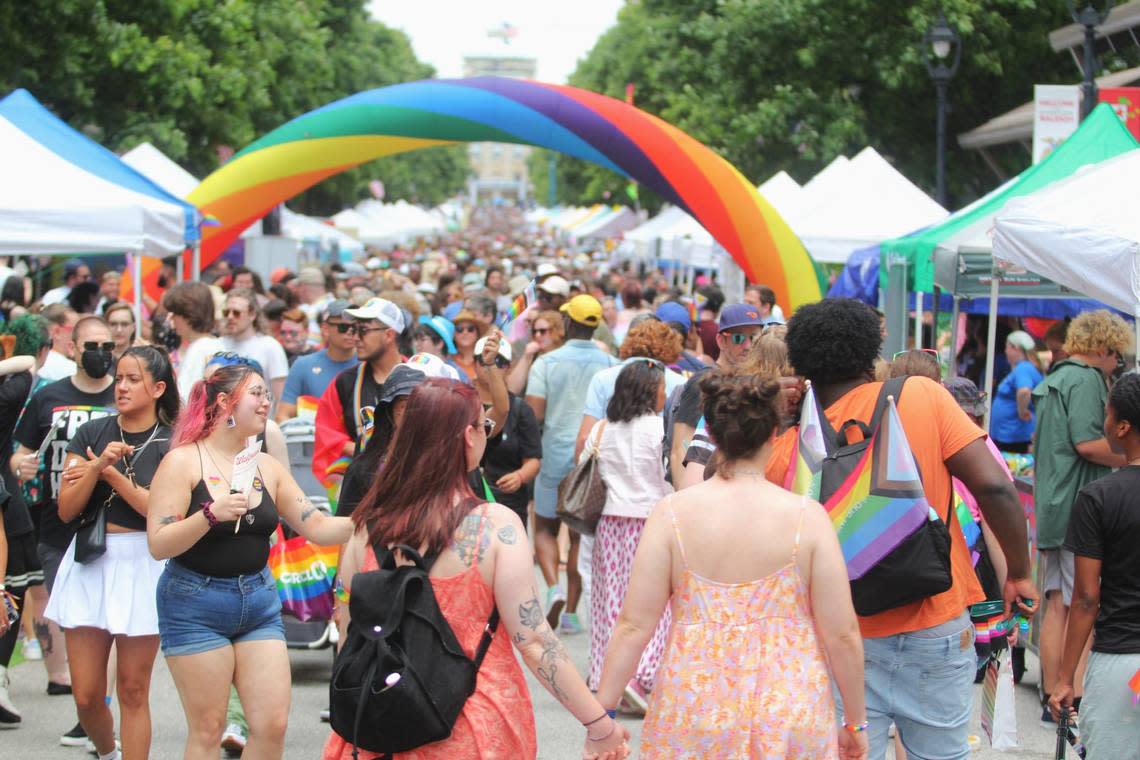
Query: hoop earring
x,y
231,422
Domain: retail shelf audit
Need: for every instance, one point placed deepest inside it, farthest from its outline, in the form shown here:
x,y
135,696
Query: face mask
x,y
97,363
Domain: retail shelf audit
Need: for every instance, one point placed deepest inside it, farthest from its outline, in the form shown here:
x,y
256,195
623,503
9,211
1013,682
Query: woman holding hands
x,y
219,617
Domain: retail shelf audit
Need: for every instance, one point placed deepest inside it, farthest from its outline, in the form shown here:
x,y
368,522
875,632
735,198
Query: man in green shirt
x,y
1070,451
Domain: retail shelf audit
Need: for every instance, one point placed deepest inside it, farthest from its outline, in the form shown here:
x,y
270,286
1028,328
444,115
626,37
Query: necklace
x,y
128,461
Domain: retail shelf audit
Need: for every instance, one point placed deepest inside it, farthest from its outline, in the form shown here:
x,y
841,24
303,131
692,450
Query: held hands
x,y
510,482
852,746
230,507
611,746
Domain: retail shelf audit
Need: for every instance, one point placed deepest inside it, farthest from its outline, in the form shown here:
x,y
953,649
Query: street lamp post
x,y
942,52
1090,17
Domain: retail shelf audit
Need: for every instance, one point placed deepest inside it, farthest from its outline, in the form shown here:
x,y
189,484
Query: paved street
x,y
559,736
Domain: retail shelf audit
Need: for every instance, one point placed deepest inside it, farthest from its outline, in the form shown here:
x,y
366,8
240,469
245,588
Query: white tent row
x,y
166,173
1082,232
610,224
387,224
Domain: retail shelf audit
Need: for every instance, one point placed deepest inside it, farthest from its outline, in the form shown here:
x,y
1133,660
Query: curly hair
x,y
654,339
1124,399
916,363
1096,331
741,412
834,340
767,357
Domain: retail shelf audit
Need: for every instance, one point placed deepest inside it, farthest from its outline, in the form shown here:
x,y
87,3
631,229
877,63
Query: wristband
x,y
213,521
612,714
856,728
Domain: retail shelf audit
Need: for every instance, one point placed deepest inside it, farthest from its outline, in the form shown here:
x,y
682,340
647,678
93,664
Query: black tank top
x,y
223,553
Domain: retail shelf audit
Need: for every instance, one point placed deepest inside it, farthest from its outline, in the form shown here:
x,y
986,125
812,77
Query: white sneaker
x,y
32,650
555,603
9,715
233,740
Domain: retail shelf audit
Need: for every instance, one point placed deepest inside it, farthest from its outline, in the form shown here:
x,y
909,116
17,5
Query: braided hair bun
x,y
741,411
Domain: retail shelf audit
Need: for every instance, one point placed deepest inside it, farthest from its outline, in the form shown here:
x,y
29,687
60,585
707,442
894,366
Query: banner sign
x,y
1056,115
1126,102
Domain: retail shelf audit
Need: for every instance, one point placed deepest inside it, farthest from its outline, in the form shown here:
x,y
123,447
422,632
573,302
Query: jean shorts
x,y
198,613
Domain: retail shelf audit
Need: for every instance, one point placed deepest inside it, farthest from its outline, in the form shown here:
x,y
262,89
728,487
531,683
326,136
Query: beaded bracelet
x,y
210,519
856,728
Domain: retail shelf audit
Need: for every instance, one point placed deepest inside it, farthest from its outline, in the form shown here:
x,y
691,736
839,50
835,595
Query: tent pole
x,y
196,262
918,318
136,274
954,336
991,339
1136,342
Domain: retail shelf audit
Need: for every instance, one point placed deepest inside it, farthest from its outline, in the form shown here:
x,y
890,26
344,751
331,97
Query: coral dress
x,y
498,719
744,675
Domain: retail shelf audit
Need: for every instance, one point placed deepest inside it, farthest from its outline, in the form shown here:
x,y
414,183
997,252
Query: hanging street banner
x,y
1056,115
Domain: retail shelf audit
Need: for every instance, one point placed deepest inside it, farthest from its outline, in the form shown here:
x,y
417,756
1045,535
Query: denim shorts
x,y
197,613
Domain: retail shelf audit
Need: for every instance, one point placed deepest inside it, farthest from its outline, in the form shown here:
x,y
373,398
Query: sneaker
x,y
233,740
555,603
325,715
1047,719
9,715
90,747
58,689
32,650
635,699
76,737
570,625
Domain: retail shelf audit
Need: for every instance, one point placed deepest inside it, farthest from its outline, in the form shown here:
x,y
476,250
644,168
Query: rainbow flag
x,y
304,573
528,296
880,503
307,407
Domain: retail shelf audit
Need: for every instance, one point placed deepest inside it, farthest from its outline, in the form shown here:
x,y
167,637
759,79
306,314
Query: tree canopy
x,y
790,84
199,78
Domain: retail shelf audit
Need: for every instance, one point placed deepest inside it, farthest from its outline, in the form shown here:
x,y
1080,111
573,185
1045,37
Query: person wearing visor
x,y
311,374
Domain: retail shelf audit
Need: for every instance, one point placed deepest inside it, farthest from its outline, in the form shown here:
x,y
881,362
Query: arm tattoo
x,y
530,614
308,510
518,638
553,653
507,534
169,520
471,540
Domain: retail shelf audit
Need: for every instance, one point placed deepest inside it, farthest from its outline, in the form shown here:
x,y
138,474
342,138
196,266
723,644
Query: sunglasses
x,y
93,346
501,363
466,327
930,351
739,339
342,327
361,330
232,312
488,426
540,331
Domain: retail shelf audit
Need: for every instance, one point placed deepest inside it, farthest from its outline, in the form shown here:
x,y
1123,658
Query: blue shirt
x,y
562,378
1005,425
601,388
311,374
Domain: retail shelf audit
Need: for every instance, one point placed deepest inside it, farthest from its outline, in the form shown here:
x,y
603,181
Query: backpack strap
x,y
892,387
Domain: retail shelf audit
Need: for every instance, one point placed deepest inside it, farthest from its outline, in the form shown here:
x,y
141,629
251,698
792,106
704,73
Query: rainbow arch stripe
x,y
569,120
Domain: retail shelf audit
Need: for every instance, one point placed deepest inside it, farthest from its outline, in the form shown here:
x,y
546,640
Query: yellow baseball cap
x,y
583,309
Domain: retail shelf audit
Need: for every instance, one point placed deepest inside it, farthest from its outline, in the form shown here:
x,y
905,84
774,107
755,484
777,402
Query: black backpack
x,y
401,678
919,566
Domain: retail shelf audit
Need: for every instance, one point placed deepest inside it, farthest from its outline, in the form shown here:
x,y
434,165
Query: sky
x,y
555,33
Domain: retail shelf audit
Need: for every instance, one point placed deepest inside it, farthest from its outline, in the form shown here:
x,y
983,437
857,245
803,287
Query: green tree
x,y
790,84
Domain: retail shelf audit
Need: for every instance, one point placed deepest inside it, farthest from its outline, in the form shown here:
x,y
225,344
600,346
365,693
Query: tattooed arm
x,y
525,621
295,508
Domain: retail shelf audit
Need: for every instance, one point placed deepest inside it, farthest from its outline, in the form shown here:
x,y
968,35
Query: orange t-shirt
x,y
937,429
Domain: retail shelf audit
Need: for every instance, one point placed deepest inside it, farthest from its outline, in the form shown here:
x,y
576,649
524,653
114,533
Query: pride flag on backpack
x,y
879,504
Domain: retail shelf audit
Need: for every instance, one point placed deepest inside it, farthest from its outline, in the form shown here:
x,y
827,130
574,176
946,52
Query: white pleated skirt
x,y
115,592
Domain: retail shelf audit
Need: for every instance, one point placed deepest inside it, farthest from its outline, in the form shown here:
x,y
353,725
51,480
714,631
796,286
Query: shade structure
x,y
1100,136
617,221
781,191
63,193
1083,232
575,122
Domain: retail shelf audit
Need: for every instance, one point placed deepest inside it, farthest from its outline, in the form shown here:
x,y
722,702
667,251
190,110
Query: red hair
x,y
412,500
202,412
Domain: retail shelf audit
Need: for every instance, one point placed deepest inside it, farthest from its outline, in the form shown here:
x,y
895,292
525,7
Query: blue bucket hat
x,y
443,328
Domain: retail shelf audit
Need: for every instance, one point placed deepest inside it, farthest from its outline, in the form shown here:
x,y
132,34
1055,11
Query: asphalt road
x,y
559,735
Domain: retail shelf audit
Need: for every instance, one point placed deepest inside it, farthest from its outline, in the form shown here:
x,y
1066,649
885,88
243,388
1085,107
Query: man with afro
x,y
919,658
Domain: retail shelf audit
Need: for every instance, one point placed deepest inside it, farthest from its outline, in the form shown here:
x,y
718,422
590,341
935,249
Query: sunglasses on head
x,y
930,351
94,346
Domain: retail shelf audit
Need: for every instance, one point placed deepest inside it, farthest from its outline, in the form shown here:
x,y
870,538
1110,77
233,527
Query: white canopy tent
x,y
617,221
783,192
859,203
1082,232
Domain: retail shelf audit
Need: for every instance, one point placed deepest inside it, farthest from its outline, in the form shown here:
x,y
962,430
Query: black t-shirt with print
x,y
1105,525
58,410
520,439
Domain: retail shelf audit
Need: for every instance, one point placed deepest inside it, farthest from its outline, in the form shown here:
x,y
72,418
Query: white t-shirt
x,y
192,363
56,367
264,350
56,295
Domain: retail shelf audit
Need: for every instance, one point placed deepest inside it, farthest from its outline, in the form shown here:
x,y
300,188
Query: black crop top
x,y
221,552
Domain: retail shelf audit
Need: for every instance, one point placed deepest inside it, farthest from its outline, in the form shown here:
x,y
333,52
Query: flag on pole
x,y
523,300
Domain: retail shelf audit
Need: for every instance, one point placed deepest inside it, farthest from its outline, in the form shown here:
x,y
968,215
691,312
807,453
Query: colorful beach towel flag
x,y
879,502
304,574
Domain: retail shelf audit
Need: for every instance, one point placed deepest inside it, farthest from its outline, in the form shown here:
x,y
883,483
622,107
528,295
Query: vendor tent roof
x,y
1083,232
1099,137
63,193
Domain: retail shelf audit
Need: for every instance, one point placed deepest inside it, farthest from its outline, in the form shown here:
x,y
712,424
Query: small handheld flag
x,y
522,302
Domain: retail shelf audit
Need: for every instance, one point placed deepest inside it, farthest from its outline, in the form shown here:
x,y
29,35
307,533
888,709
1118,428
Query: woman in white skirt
x,y
111,598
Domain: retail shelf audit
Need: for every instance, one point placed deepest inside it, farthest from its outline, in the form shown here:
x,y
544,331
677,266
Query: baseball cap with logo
x,y
431,365
381,309
555,285
584,310
739,315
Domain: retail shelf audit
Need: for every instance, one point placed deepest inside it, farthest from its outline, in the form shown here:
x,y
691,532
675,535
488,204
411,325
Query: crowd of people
x,y
446,418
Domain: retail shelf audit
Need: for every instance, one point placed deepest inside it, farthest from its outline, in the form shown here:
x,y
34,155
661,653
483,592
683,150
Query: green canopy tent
x,y
907,263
